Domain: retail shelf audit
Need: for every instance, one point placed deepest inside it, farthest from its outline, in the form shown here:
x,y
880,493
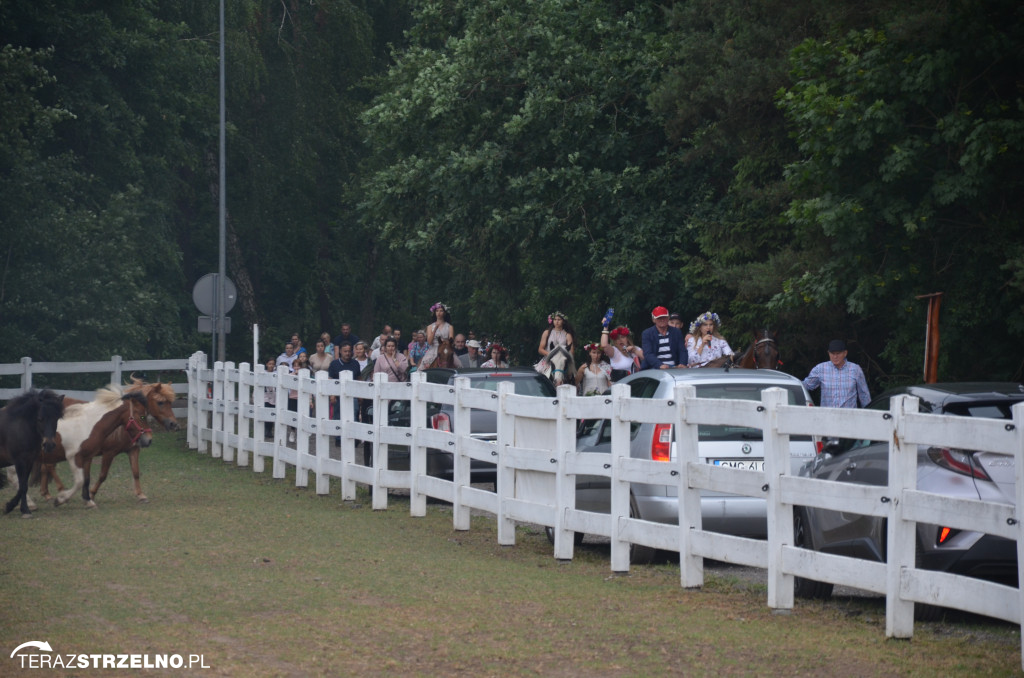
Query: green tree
x,y
908,183
515,152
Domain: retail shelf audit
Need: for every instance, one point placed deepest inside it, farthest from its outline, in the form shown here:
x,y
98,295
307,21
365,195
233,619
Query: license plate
x,y
746,464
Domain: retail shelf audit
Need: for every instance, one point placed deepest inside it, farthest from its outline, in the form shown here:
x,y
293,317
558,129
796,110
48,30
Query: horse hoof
x,y
143,499
26,515
46,496
90,504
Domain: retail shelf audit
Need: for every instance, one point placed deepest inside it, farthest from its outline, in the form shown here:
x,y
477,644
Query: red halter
x,y
133,428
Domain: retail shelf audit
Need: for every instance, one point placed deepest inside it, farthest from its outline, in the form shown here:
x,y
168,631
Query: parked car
x,y
736,446
483,423
952,472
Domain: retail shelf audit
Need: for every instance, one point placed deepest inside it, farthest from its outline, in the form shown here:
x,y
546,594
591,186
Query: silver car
x,y
736,446
957,473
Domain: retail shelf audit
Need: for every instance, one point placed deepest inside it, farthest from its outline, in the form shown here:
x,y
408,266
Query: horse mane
x,y
109,396
45,400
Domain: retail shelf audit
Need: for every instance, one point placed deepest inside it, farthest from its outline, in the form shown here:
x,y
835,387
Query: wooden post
x,y
931,342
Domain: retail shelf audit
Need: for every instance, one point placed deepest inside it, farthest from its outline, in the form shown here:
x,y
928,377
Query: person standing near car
x,y
842,383
663,345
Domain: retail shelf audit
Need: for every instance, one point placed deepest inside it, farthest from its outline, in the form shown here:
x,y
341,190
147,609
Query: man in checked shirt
x,y
842,383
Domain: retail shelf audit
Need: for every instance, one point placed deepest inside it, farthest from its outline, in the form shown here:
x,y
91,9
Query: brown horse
x,y
85,427
445,355
763,352
160,405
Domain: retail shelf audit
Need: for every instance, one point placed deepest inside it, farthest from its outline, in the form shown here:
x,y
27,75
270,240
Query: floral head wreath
x,y
498,346
433,309
621,331
556,314
706,317
592,346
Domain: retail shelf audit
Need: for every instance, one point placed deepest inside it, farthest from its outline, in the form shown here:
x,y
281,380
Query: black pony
x,y
28,424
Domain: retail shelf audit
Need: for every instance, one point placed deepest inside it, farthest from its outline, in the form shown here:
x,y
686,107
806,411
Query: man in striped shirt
x,y
663,345
841,382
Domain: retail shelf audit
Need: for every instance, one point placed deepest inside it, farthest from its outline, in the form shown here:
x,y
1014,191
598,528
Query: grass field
x,y
265,579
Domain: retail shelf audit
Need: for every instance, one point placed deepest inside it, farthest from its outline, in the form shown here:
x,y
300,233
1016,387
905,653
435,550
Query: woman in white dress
x,y
707,343
558,332
625,358
437,331
595,377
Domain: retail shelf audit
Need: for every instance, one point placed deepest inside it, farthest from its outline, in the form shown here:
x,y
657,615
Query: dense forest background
x,y
809,166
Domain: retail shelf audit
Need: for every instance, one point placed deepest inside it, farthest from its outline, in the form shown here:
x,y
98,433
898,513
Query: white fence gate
x,y
537,463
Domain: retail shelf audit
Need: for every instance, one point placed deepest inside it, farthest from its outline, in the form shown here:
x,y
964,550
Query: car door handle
x,y
851,467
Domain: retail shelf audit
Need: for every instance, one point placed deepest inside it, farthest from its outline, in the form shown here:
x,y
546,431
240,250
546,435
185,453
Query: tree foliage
x,y
907,182
521,158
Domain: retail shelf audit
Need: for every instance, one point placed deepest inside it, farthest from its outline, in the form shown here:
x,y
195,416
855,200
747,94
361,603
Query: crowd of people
x,y
614,356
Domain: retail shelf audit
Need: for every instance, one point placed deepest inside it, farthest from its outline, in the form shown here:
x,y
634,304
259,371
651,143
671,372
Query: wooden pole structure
x,y
931,338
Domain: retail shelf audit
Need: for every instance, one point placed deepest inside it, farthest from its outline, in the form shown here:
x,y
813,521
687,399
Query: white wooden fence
x,y
537,464
117,368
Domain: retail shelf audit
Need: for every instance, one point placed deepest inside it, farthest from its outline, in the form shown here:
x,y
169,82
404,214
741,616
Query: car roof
x,y
718,375
939,395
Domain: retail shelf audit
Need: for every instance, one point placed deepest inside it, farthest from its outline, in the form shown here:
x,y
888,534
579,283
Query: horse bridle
x,y
133,425
765,340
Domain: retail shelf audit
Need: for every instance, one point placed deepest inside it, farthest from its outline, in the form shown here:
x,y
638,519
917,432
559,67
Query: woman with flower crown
x,y
595,377
558,333
437,331
707,342
624,356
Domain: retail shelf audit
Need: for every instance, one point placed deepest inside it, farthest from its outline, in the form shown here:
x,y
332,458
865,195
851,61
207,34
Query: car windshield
x,y
997,410
742,392
530,386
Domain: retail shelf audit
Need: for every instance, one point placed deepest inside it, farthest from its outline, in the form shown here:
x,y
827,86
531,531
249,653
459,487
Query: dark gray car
x,y
483,423
957,473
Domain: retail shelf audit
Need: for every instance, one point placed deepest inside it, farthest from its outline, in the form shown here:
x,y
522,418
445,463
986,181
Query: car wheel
x,y
639,555
924,612
806,588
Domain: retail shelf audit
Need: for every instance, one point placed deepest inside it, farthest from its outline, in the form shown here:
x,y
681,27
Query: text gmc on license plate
x,y
745,464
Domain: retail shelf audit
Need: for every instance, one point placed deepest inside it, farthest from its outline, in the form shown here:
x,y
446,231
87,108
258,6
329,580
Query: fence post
x,y
780,514
348,444
26,374
461,464
901,534
620,496
116,369
246,413
277,467
565,484
302,462
380,448
506,478
691,566
322,442
260,427
217,427
1018,474
230,405
417,452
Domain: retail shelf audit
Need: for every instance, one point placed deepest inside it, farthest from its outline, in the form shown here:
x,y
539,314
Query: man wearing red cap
x,y
663,345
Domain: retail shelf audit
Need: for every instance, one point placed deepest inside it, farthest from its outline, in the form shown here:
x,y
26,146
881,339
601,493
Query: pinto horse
x,y
160,405
28,425
85,426
559,366
763,352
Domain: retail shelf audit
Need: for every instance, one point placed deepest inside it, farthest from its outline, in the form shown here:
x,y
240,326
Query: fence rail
x,y
537,463
117,367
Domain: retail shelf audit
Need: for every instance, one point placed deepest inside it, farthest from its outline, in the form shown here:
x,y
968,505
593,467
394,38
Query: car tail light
x,y
944,534
442,422
661,444
957,461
